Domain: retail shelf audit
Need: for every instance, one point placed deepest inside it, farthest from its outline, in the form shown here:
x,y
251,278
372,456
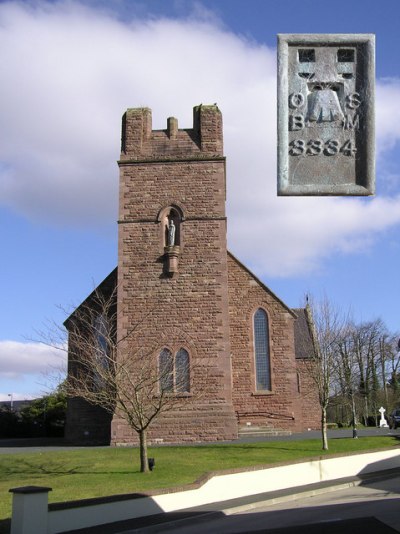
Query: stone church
x,y
194,300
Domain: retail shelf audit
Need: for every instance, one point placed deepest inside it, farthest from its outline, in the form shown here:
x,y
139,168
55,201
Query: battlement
x,y
140,142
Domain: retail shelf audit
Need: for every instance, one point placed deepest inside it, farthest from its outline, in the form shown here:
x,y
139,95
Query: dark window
x,y
261,350
345,55
306,55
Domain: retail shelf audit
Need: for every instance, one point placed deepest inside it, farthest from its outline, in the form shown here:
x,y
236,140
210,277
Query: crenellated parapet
x,y
141,143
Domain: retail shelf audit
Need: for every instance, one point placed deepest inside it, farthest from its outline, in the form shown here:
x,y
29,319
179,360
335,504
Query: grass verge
x,y
85,473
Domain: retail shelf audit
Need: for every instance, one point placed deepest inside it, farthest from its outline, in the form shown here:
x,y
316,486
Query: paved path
x,y
373,508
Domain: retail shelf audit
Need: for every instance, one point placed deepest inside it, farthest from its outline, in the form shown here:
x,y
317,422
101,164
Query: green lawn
x,y
84,473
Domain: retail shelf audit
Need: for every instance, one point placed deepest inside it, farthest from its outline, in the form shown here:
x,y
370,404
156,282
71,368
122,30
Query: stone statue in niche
x,y
171,233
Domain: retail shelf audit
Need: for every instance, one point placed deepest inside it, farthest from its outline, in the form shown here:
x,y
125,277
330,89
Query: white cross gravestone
x,y
383,422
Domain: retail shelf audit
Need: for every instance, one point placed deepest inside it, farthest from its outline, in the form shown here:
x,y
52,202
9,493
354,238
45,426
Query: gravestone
x,y
326,131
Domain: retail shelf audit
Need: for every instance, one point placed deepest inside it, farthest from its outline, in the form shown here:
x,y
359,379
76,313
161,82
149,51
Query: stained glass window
x,y
261,350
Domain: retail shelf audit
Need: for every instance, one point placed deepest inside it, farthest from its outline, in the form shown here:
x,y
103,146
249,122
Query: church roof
x,y
303,343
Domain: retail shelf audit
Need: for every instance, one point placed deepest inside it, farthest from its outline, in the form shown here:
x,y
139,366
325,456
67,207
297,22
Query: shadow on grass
x,y
28,469
263,446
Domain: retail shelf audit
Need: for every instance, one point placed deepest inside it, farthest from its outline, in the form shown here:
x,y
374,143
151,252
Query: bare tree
x,y
346,371
139,385
390,348
366,357
351,362
326,325
366,339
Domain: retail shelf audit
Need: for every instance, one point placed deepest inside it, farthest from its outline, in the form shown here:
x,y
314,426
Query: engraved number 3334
x,y
314,147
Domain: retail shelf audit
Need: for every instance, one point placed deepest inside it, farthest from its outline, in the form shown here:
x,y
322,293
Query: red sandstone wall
x,y
279,408
311,412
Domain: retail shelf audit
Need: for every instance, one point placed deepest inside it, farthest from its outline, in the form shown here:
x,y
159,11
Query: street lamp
x,y
11,395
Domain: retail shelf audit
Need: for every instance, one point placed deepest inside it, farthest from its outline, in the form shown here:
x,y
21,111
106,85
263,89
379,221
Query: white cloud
x,y
72,71
20,360
388,114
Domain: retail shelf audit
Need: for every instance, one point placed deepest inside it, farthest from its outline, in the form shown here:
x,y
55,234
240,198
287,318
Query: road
x,y
347,511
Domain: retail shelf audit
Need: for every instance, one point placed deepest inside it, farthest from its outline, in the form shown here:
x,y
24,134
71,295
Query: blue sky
x,y
69,71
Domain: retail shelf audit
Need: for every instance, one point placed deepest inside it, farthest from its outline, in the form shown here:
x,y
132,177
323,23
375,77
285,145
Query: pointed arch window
x,y
182,377
102,349
101,331
166,368
261,351
174,371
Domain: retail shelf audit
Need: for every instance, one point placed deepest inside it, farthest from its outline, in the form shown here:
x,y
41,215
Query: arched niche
x,y
170,219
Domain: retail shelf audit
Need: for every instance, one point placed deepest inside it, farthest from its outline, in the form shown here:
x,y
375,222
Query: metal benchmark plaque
x,y
326,131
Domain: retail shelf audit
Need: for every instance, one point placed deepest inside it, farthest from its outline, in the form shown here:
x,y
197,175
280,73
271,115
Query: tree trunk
x,y
382,351
324,429
353,415
144,464
366,411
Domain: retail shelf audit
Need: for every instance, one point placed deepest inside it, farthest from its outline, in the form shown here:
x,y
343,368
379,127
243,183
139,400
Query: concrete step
x,y
252,431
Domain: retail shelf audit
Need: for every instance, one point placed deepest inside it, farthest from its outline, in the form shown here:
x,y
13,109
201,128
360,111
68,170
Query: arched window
x,y
261,351
101,332
166,370
101,353
182,377
174,371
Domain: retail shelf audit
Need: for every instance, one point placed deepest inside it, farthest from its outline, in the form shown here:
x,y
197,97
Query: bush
x,y
43,417
46,416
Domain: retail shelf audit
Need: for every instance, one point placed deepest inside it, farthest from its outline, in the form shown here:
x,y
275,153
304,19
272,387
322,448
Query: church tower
x,y
172,267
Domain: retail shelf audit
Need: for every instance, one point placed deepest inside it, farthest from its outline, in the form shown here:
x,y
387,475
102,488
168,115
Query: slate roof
x,y
303,342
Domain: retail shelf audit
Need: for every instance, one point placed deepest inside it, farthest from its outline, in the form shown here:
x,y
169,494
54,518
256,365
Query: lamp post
x,y
12,400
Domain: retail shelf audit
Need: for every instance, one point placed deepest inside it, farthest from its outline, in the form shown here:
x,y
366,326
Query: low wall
x,y
218,488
